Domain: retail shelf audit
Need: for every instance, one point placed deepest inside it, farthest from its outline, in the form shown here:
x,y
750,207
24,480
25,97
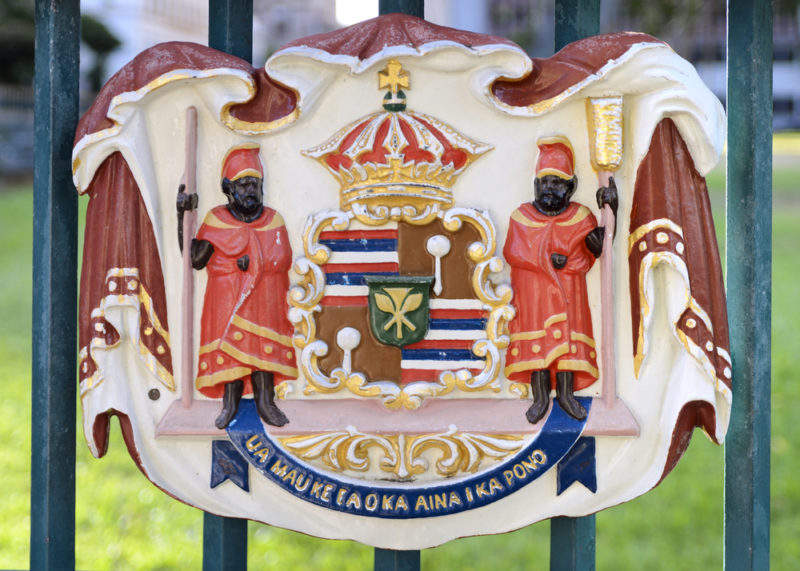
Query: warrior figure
x,y
551,245
246,337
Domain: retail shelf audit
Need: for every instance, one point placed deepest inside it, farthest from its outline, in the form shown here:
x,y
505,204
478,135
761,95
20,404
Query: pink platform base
x,y
487,416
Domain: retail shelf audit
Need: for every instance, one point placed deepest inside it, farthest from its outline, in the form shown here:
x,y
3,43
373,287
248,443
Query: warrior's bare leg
x,y
540,388
565,396
230,403
264,395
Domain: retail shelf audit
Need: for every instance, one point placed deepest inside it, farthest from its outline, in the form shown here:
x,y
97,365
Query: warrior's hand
x,y
594,241
243,262
608,195
558,260
201,253
182,203
185,201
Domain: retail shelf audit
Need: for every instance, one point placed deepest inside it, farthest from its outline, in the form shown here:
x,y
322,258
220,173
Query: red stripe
x,y
428,375
441,344
361,268
343,300
357,234
457,313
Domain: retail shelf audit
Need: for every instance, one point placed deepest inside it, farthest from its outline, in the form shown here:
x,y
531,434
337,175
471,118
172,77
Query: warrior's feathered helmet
x,y
555,158
242,161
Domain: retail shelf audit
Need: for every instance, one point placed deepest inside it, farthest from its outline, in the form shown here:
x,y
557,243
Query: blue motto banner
x,y
385,500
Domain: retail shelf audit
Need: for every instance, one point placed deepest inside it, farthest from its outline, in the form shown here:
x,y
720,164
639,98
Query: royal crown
x,y
396,163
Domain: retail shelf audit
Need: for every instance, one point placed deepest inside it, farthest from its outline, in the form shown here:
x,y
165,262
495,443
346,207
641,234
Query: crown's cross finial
x,y
394,77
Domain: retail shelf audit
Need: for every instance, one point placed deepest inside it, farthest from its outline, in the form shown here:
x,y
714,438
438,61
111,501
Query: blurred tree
x,y
17,33
17,38
102,42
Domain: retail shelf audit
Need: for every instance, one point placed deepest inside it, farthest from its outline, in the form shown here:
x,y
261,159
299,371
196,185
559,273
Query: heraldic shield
x,y
398,308
395,310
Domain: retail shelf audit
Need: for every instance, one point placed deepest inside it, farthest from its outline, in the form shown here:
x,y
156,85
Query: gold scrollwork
x,y
306,296
405,457
417,214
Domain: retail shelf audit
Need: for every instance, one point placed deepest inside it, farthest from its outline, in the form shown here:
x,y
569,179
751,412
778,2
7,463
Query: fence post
x,y
576,19
749,282
55,244
389,559
572,540
230,29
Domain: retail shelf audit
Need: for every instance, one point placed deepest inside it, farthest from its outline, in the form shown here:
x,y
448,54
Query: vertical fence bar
x,y
389,559
55,243
572,540
412,7
572,543
230,29
576,19
52,542
224,543
749,282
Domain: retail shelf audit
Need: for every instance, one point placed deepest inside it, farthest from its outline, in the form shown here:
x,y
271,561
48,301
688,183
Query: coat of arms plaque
x,y
415,274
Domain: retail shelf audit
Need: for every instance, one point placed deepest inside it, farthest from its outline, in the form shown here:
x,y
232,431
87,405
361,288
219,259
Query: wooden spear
x,y
605,131
189,222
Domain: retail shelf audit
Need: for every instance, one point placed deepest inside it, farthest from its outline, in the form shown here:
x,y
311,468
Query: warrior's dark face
x,y
553,193
245,197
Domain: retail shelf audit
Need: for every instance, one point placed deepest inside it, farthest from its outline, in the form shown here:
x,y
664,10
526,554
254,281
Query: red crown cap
x,y
241,162
555,158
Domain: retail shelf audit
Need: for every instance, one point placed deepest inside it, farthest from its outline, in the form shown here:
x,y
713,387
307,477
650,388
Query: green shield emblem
x,y
398,308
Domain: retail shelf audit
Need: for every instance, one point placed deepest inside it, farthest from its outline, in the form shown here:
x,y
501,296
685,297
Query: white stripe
x,y
347,290
448,335
356,225
363,257
440,365
440,303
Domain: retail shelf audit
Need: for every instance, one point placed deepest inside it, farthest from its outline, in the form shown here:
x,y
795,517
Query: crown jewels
x,y
396,164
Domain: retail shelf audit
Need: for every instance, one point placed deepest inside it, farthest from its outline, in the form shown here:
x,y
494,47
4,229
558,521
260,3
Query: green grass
x,y
123,522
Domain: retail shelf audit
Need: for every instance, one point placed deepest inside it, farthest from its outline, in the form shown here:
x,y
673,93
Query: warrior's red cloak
x,y
553,325
244,326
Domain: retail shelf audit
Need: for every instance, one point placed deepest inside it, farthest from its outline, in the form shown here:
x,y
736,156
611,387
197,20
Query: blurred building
x,y
696,29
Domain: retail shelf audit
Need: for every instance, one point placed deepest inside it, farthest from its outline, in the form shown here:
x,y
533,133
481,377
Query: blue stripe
x,y
457,324
352,279
361,245
439,355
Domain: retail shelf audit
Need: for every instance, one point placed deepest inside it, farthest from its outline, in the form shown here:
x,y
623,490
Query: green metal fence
x,y
749,205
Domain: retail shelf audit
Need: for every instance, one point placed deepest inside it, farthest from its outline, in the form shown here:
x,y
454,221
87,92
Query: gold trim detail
x,y
554,354
583,338
577,365
604,116
557,318
214,379
404,457
305,298
260,364
182,75
528,335
518,216
260,330
212,220
582,213
276,222
521,390
644,229
134,301
648,263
